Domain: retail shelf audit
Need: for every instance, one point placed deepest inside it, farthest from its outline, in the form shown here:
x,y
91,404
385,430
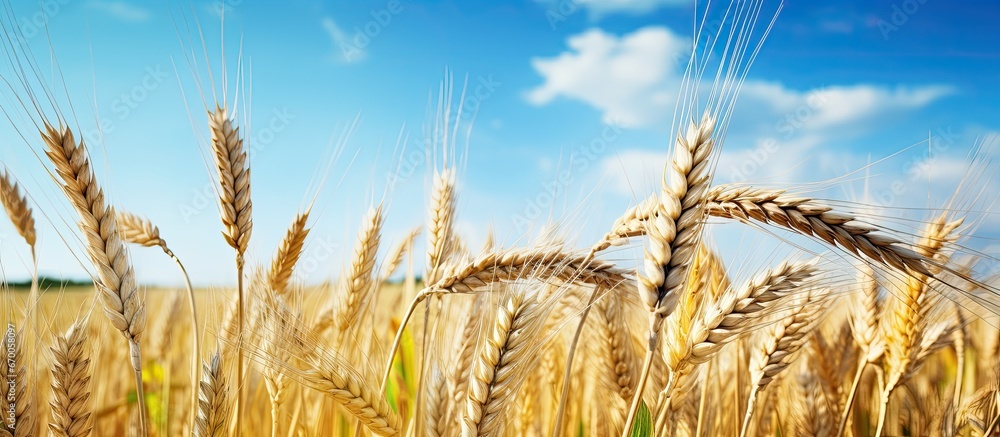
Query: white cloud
x,y
633,79
121,10
347,51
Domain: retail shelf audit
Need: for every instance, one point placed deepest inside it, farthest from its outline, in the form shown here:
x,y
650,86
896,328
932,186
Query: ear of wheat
x,y
674,235
288,254
119,294
213,400
17,208
500,365
71,384
779,346
235,209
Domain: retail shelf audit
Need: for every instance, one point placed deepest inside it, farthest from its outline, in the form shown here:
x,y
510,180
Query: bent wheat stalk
x,y
549,263
235,209
141,231
119,294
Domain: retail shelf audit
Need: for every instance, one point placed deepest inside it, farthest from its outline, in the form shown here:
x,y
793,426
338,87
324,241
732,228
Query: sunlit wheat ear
x,y
809,409
866,308
119,294
674,233
234,180
737,310
71,384
395,258
544,262
213,400
501,364
235,210
337,379
674,238
615,358
17,208
139,230
440,223
464,354
356,281
907,313
811,218
279,331
288,254
778,347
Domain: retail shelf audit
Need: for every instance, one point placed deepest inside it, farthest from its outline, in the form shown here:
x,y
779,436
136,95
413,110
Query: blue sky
x,y
836,85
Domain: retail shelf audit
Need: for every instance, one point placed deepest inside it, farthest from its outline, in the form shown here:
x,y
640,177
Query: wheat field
x,y
886,331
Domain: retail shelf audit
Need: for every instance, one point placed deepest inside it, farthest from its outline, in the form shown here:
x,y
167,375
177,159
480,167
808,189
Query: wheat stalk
x,y
119,294
235,210
674,234
71,384
867,335
140,230
288,254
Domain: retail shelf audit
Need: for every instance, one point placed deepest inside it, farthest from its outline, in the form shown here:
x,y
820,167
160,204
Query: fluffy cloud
x,y
632,79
